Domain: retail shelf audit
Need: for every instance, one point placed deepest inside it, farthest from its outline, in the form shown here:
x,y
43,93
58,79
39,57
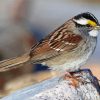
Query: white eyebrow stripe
x,y
81,21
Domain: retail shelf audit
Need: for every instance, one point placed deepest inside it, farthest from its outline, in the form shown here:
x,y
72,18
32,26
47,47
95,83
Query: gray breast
x,y
71,61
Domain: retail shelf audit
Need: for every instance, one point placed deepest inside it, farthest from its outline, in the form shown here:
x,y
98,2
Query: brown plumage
x,y
60,40
67,46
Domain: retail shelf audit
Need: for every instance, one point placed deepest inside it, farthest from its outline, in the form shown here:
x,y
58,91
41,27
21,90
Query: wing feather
x,y
53,46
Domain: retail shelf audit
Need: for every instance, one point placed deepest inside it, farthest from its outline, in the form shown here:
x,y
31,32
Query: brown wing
x,y
65,41
62,39
54,44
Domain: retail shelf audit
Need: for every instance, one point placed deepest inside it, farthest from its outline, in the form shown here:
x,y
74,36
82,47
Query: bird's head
x,y
88,23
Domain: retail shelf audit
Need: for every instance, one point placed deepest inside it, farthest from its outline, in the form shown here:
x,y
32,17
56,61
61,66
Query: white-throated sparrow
x,y
65,49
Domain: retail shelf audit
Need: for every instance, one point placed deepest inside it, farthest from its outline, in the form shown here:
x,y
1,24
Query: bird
x,y
65,49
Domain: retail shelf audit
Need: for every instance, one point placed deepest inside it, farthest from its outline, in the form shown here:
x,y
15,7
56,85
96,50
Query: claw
x,y
73,79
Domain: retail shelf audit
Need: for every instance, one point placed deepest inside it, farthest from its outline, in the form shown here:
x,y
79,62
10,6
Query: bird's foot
x,y
74,80
79,78
64,76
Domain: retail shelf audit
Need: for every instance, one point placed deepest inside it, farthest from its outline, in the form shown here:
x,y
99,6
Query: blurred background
x,y
23,23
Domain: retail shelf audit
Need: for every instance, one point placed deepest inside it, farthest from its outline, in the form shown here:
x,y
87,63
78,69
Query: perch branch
x,y
52,89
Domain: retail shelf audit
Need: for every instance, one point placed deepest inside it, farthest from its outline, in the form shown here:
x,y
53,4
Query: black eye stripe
x,y
84,27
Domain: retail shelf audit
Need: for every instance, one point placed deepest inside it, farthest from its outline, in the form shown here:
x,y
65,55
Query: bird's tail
x,y
13,62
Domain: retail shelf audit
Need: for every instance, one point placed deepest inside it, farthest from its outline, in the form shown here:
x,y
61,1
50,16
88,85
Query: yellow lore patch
x,y
92,23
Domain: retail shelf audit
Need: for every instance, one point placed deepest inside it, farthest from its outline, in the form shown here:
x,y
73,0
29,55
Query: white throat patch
x,y
94,33
81,21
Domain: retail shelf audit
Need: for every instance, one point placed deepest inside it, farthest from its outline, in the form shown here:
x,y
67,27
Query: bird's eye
x,y
88,25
